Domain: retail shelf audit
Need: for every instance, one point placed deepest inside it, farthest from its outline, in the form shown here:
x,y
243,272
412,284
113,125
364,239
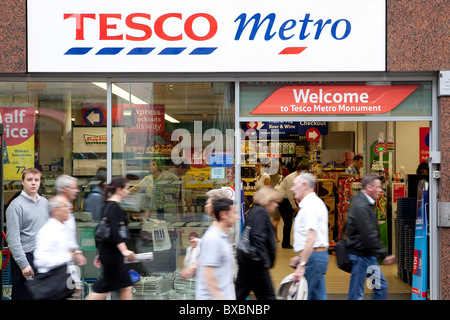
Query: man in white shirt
x,y
67,187
53,242
288,207
310,237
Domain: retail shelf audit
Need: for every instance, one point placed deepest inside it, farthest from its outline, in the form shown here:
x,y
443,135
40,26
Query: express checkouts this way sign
x,y
206,36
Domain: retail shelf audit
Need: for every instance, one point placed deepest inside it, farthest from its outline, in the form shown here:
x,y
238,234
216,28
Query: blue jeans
x,y
366,267
315,271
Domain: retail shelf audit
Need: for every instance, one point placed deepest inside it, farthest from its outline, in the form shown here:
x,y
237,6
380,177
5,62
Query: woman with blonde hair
x,y
254,275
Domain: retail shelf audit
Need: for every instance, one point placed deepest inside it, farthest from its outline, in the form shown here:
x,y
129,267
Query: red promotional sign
x,y
424,144
150,118
334,99
399,191
18,124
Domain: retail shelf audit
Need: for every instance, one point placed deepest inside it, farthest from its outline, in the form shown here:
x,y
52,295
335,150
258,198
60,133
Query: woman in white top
x,y
192,252
262,178
147,183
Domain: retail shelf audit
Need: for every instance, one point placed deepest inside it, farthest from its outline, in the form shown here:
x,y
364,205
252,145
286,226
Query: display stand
x,y
87,244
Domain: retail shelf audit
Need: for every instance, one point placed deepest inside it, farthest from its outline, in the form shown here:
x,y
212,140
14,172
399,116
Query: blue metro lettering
x,y
348,27
256,26
284,31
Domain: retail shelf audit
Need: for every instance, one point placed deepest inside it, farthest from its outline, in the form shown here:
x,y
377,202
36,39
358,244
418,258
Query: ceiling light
x,y
170,119
127,96
120,93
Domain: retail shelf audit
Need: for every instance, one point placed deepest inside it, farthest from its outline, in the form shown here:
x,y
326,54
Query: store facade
x,y
99,95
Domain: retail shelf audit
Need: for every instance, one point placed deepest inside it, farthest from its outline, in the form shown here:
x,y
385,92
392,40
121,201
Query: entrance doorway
x,y
392,149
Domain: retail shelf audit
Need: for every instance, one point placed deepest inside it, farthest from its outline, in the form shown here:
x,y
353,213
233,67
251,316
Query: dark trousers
x,y
256,278
19,288
287,214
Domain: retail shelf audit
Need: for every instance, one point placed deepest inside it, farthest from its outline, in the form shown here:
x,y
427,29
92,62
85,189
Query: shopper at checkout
x,y
355,167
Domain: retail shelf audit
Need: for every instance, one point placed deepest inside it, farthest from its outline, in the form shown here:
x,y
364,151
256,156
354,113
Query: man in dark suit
x,y
364,243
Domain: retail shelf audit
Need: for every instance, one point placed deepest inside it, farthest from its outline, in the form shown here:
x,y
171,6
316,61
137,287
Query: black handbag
x,y
245,248
103,230
56,284
343,262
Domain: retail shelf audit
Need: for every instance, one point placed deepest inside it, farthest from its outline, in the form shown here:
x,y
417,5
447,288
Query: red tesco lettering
x,y
108,24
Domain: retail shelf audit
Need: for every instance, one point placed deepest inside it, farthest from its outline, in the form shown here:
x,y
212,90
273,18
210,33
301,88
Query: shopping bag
x,y
56,284
292,290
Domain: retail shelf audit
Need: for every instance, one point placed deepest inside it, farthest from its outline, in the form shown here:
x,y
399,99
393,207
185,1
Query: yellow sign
x,y
199,178
18,122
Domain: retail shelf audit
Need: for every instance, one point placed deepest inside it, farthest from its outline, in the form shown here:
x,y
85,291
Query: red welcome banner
x,y
334,99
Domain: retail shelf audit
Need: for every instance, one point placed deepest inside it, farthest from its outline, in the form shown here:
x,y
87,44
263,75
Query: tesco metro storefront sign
x,y
205,36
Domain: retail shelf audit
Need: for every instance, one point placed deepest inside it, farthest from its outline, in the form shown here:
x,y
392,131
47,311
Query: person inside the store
x,y
147,184
284,170
276,178
215,272
423,168
355,167
93,201
167,191
292,165
67,187
255,275
25,216
262,177
192,252
364,246
310,237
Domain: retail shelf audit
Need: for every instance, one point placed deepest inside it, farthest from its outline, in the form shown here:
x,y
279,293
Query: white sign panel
x,y
444,83
206,36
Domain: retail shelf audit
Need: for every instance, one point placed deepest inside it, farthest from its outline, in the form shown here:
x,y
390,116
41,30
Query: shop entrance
x,y
396,150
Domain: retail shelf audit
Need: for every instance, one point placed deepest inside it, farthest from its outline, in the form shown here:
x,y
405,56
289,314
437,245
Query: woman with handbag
x,y
253,274
113,251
